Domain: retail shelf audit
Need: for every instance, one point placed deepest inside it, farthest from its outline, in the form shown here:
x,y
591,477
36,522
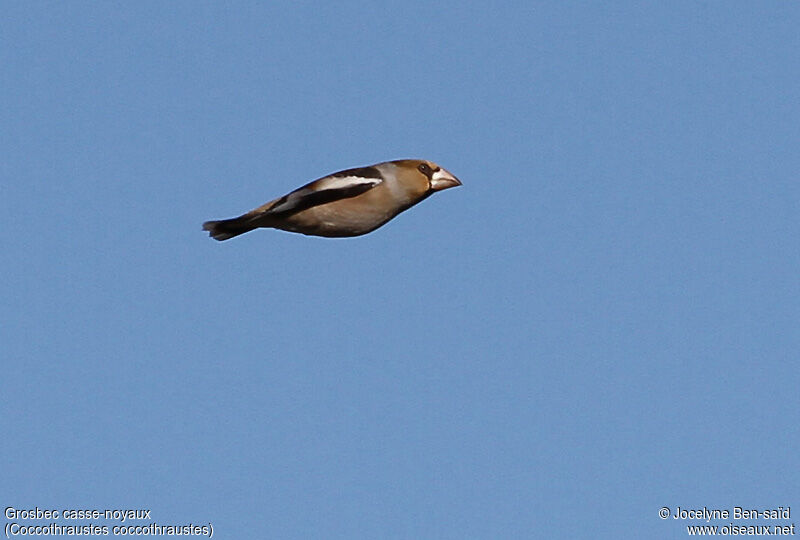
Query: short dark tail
x,y
228,228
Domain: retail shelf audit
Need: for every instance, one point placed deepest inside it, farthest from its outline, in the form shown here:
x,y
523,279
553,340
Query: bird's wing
x,y
334,187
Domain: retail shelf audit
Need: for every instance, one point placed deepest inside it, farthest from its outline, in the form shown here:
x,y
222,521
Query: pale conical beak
x,y
442,179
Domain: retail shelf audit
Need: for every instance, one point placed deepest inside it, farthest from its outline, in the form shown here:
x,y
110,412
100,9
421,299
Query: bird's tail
x,y
228,228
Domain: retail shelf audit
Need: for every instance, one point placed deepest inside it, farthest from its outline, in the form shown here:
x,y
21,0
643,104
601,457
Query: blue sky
x,y
602,321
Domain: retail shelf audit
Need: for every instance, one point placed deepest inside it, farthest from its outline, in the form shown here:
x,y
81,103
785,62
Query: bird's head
x,y
437,177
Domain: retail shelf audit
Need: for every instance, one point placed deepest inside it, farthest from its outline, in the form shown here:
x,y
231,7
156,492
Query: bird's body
x,y
347,203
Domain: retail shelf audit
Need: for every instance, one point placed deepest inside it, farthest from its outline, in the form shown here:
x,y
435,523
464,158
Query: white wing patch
x,y
295,198
344,182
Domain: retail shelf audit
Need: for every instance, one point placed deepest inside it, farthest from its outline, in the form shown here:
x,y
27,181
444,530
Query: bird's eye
x,y
425,169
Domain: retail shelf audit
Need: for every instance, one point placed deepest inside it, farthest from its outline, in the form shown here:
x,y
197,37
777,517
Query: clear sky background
x,y
603,320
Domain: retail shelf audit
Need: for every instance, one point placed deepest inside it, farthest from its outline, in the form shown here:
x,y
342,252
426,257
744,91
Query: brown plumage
x,y
347,203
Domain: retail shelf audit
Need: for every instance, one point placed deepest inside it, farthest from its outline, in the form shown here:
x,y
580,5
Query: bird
x,y
352,202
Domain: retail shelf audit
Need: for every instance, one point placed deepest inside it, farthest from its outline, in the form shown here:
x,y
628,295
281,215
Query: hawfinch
x,y
346,203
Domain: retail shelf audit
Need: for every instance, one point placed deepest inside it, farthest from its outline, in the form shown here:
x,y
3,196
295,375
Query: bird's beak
x,y
442,179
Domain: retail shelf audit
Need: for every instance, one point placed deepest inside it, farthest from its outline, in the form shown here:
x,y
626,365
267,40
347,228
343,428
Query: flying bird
x,y
347,203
